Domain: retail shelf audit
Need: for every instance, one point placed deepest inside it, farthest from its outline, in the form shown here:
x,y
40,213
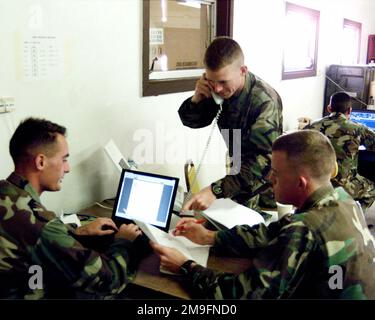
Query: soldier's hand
x,y
189,228
170,258
98,227
128,231
200,201
203,89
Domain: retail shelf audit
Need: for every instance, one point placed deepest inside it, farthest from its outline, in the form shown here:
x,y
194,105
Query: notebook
x,y
145,197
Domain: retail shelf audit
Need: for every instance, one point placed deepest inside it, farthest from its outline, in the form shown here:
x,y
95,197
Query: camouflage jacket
x,y
31,235
324,250
346,137
257,113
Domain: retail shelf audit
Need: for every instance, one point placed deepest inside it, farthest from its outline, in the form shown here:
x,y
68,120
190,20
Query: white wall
x,y
258,28
98,95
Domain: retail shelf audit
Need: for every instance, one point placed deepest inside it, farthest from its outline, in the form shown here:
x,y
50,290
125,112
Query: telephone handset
x,y
218,100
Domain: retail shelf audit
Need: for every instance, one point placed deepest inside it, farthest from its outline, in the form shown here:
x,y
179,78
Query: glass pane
x,y
350,45
180,32
300,35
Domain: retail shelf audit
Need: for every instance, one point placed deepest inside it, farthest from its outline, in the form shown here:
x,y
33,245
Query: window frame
x,y
315,15
224,27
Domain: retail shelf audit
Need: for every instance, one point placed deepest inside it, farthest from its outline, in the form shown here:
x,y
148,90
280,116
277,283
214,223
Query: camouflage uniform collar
x,y
23,184
316,197
249,83
337,115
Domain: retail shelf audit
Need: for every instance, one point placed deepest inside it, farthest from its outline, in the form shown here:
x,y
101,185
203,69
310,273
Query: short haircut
x,y
340,102
221,52
308,149
33,134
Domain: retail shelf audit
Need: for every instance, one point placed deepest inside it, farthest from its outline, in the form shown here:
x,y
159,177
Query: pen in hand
x,y
199,221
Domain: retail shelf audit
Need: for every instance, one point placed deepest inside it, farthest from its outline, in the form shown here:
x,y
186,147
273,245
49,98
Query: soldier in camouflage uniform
x,y
346,137
252,107
323,250
31,235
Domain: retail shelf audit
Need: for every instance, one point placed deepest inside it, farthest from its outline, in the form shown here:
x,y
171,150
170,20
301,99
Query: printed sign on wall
x,y
156,36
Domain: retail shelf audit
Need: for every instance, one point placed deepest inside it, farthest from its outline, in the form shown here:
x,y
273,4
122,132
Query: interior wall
x,y
258,28
97,94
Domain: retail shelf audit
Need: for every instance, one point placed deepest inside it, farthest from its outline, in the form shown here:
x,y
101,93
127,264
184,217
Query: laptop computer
x,y
146,197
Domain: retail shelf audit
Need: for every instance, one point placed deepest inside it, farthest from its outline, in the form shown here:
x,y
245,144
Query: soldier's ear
x,y
40,161
243,70
302,183
348,112
329,109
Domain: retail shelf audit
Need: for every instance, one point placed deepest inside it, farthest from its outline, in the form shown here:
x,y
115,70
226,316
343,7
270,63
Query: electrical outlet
x,y
6,104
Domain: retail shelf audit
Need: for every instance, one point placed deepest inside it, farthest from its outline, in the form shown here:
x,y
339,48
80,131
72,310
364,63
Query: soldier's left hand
x,y
170,258
200,201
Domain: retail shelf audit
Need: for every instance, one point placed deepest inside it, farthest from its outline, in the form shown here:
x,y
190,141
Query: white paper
x,y
70,218
115,154
230,214
174,220
157,36
42,57
191,250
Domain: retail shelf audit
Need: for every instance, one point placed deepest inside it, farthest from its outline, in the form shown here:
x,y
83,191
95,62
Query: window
x,y
351,42
176,34
300,42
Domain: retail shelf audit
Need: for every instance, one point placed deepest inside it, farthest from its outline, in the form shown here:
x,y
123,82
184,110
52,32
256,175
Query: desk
x,y
148,274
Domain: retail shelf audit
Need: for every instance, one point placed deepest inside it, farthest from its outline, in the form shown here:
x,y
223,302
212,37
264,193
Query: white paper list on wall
x,y
42,57
6,104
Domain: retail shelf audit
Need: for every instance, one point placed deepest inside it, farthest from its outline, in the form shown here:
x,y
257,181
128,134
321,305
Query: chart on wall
x,y
42,57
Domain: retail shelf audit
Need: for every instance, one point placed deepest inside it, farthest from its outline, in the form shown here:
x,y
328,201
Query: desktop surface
x,y
149,277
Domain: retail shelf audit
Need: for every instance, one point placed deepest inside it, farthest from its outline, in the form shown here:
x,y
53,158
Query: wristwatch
x,y
217,190
185,267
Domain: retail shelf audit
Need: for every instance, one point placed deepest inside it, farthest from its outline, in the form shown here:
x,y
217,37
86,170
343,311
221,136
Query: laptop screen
x,y
146,197
364,117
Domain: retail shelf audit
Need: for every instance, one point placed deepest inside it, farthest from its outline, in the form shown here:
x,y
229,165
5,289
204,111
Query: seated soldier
x,y
323,250
346,136
30,235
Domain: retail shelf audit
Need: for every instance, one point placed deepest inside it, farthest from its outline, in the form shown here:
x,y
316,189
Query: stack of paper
x,y
116,156
191,250
70,218
225,214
